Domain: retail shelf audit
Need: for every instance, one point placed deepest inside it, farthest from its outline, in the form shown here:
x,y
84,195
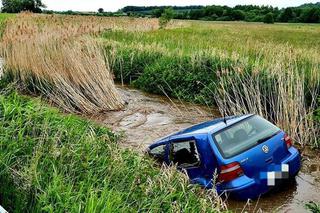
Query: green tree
x,y
166,17
287,15
16,6
238,15
100,10
268,19
310,15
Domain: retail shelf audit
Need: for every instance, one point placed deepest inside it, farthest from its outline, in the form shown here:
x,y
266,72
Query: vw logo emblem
x,y
265,149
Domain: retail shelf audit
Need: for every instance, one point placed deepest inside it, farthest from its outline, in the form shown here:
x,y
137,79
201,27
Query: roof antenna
x,y
224,110
224,117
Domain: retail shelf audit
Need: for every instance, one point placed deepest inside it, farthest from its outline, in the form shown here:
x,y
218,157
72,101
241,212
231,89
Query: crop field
x,y
54,162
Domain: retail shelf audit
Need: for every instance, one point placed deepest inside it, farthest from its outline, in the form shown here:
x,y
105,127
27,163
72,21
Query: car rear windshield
x,y
244,135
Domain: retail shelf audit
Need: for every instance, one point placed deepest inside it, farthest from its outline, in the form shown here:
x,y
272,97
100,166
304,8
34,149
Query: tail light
x,y
230,172
287,140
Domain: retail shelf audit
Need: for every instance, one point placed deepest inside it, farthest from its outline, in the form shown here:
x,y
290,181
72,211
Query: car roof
x,y
212,126
208,127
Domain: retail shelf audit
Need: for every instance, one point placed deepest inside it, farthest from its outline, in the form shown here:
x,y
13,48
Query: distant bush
x,y
223,18
166,17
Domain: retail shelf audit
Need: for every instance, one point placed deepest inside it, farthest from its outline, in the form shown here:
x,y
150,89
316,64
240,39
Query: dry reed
x,y
72,74
54,56
278,93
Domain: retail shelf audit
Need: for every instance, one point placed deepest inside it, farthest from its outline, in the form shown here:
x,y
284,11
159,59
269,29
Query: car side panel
x,y
202,174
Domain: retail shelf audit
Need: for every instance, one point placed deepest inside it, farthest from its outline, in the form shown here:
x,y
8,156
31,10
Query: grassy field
x,y
4,16
213,46
230,36
271,70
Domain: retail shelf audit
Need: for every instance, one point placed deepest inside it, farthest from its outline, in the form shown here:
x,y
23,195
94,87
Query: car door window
x,y
158,152
184,154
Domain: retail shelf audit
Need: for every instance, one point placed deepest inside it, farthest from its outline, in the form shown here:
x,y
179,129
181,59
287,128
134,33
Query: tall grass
x,y
278,96
3,20
51,162
51,56
73,74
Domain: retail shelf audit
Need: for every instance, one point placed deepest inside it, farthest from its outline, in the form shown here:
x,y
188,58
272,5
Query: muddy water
x,y
148,117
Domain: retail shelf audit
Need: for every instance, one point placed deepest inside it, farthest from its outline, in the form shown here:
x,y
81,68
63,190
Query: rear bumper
x,y
244,188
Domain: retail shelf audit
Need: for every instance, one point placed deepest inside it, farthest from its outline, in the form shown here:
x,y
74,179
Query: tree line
x,y
16,6
307,13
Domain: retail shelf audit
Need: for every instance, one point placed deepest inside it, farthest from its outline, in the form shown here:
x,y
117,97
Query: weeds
x,y
313,207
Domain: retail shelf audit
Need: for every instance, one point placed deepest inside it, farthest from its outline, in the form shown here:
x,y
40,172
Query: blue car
x,y
248,154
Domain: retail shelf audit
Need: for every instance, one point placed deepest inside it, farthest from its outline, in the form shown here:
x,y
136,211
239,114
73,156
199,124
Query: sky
x,y
114,5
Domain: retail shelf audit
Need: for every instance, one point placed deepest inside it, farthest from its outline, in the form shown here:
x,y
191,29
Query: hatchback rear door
x,y
253,142
266,156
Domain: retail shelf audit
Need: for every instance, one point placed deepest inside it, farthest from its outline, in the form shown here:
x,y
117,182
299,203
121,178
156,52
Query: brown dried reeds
x,y
72,74
54,56
278,94
28,26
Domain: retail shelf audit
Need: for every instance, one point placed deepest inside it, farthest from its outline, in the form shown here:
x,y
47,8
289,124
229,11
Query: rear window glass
x,y
244,135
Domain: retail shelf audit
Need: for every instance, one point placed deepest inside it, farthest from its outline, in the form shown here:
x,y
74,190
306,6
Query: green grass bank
x,y
52,162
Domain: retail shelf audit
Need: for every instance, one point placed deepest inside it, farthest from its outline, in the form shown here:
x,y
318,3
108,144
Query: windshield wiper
x,y
266,138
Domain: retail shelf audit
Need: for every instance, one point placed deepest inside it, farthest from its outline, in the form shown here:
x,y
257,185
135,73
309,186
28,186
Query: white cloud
x,y
114,5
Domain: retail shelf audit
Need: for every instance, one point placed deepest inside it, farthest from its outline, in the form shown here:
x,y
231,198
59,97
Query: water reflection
x,y
289,197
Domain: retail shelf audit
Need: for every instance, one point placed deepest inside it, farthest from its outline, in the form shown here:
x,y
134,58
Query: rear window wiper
x,y
266,138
